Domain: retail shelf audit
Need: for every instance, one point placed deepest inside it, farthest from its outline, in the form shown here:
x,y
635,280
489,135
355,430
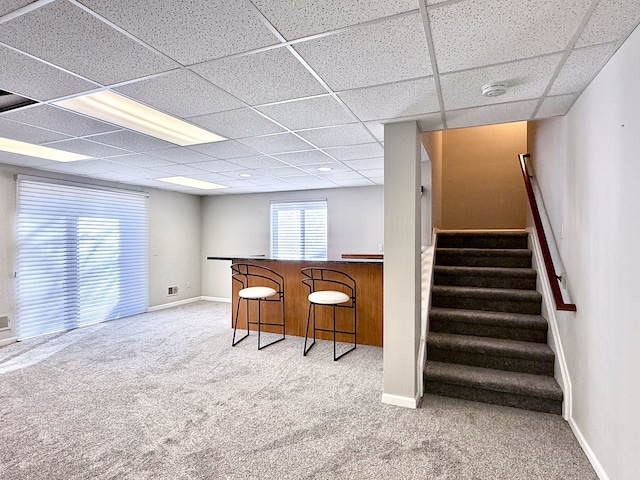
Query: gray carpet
x,y
164,396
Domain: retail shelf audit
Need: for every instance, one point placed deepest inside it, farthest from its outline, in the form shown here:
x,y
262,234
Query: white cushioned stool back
x,y
328,297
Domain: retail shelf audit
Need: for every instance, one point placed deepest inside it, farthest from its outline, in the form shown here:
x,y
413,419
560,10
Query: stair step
x,y
513,389
500,354
488,299
491,277
484,257
512,326
475,239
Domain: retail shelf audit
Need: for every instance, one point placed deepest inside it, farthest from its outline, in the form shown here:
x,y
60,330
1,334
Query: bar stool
x,y
261,284
328,287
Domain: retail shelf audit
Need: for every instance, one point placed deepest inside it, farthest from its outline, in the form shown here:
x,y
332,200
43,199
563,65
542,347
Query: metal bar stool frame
x,y
251,276
316,278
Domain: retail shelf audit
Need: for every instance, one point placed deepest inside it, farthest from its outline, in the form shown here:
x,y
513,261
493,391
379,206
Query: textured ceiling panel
x,y
281,143
401,99
181,93
525,79
308,113
310,157
611,20
136,142
25,133
356,152
60,120
461,30
67,36
371,55
579,69
31,78
337,136
488,115
179,155
263,77
301,18
85,147
555,106
237,123
188,31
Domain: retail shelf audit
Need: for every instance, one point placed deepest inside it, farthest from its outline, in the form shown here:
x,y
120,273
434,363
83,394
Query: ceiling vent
x,y
494,89
10,101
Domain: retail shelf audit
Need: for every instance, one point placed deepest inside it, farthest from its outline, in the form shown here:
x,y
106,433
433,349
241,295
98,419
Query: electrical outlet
x,y
381,247
156,252
188,283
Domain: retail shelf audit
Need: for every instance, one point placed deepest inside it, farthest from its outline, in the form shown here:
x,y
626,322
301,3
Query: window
x,y
299,230
82,255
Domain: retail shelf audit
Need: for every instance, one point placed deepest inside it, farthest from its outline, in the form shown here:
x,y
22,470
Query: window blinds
x,y
82,255
299,230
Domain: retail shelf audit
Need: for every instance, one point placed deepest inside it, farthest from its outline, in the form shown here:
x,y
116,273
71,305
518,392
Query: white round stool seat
x,y
257,292
328,297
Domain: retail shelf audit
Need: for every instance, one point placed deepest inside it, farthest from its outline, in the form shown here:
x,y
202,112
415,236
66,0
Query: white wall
x,y
587,165
174,228
239,225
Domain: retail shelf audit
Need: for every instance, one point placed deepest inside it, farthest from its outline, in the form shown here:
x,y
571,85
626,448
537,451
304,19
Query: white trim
x,y
173,304
602,475
556,343
6,341
216,299
400,401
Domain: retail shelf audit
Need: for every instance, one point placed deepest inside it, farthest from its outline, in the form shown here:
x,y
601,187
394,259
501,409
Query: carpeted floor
x,y
164,396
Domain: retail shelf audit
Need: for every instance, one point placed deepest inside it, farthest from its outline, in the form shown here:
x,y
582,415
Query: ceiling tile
x,y
23,160
373,174
474,33
26,133
127,170
361,182
376,128
308,113
429,123
225,149
337,136
63,121
611,20
217,166
192,31
84,147
356,152
8,6
310,157
401,99
311,181
82,167
211,177
264,77
366,164
341,175
33,79
180,155
555,106
181,93
281,172
300,18
237,123
492,114
384,52
180,170
280,143
580,68
66,35
260,161
140,161
525,79
136,142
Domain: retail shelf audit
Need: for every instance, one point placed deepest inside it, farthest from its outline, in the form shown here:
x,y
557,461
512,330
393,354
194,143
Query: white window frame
x,y
305,234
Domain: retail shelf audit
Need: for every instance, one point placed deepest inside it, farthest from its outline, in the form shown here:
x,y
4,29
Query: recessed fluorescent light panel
x,y
190,182
22,148
114,108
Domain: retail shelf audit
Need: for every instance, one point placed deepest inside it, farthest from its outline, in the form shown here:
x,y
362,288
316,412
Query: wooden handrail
x,y
544,246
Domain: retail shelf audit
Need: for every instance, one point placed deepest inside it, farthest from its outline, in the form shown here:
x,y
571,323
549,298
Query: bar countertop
x,y
269,259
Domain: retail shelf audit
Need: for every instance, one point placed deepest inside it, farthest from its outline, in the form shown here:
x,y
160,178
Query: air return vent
x,y
11,101
172,290
4,322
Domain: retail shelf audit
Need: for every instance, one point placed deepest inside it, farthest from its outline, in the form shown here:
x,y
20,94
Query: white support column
x,y
402,228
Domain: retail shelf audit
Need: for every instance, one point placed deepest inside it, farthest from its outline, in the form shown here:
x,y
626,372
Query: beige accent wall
x,y
476,177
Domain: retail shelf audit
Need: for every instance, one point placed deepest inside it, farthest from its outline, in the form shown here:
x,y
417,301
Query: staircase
x,y
487,341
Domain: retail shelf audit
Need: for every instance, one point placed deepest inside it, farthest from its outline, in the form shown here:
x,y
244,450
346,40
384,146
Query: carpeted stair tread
x,y
492,277
482,317
490,346
481,292
488,299
484,257
486,252
518,383
487,239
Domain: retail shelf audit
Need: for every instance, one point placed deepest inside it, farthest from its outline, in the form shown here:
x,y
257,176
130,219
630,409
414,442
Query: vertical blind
x,y
299,230
82,255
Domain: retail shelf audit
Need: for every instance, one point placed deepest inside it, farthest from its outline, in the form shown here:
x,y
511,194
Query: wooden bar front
x,y
368,277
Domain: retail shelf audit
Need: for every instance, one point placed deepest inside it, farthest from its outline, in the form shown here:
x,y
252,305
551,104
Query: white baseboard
x,y
602,475
173,304
7,341
216,299
400,401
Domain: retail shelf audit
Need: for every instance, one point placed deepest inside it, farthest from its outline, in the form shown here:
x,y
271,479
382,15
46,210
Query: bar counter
x,y
366,272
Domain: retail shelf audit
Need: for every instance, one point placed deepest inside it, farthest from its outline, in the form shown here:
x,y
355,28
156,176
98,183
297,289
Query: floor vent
x,y
10,101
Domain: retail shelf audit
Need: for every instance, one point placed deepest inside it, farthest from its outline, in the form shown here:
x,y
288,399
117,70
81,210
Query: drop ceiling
x,y
294,85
